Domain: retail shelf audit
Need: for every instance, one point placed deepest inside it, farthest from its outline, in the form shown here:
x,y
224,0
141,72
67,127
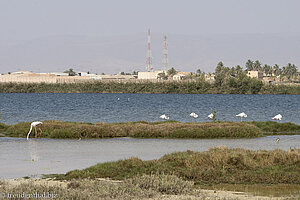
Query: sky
x,y
26,20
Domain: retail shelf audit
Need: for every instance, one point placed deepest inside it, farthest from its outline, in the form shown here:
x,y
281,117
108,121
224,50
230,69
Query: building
x,y
30,77
152,75
255,74
117,77
178,77
210,77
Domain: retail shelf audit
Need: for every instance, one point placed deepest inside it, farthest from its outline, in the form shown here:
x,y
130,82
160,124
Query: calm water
x,y
19,157
135,107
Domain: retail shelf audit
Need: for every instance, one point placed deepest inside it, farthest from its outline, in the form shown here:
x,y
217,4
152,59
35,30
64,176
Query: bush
x,y
165,184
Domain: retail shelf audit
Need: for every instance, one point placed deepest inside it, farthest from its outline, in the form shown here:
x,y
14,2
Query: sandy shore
x,y
199,194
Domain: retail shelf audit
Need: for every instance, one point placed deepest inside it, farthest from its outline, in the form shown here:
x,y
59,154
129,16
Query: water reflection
x,y
20,157
33,150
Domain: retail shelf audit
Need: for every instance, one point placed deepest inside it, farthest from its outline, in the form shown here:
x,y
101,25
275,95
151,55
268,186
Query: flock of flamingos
x,y
211,116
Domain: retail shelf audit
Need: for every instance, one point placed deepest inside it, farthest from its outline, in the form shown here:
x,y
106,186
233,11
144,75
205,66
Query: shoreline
x,y
194,87
199,193
219,173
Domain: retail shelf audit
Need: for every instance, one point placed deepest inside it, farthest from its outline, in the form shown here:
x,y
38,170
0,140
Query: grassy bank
x,y
167,129
218,165
274,128
246,86
141,129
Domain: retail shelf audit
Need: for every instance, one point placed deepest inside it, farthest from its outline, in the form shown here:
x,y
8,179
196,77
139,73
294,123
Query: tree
x,y
257,66
70,72
219,68
249,65
276,70
172,71
267,69
238,69
289,71
198,72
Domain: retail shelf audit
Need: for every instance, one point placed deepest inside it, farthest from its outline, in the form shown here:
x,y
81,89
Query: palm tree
x,y
249,65
257,66
267,69
276,70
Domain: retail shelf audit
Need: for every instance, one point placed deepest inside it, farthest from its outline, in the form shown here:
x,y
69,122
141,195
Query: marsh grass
x,y
139,187
170,129
275,128
247,86
218,165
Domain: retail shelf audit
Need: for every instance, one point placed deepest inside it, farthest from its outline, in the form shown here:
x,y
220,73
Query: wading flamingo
x,y
277,117
194,115
211,116
164,117
35,124
241,115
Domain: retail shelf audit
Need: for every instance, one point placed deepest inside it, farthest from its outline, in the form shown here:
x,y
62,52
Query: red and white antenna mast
x,y
165,60
149,65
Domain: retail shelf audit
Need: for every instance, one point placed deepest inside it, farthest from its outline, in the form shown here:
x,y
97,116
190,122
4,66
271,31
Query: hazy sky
x,y
28,19
25,20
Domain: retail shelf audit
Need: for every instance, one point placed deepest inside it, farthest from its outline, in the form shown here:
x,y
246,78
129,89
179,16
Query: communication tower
x,y
165,60
149,66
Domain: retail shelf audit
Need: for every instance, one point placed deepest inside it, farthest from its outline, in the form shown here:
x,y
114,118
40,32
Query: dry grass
x,y
135,188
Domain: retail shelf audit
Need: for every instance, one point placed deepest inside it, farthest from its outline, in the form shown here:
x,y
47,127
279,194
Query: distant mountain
x,y
127,53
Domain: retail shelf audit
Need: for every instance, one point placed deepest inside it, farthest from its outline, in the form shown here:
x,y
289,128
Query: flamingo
x,y
241,115
277,117
35,124
211,116
194,115
164,117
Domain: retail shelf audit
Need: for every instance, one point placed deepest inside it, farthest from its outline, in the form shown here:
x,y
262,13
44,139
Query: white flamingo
x,y
277,117
35,124
194,115
241,115
165,117
211,116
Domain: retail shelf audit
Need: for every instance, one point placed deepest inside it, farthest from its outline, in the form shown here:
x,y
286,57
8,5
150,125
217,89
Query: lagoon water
x,y
109,108
19,157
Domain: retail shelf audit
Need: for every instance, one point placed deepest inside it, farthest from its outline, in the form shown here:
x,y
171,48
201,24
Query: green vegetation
x,y
241,84
166,129
218,165
71,72
274,128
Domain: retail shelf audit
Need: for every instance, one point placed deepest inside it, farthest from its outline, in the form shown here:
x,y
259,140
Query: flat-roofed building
x,y
178,77
151,75
255,74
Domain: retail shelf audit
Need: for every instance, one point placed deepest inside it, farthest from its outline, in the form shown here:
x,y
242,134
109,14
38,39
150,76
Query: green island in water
x,y
219,173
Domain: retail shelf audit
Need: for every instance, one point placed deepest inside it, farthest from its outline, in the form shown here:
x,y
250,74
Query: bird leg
x,y
35,132
40,133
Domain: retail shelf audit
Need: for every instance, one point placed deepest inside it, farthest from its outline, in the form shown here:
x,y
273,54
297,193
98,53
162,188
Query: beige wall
x,y
255,74
41,78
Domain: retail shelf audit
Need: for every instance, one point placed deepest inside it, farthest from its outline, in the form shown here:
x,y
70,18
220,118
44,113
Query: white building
x,y
178,77
256,74
151,75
